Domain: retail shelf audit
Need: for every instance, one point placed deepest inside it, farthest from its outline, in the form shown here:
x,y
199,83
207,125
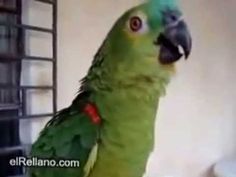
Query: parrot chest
x,y
127,135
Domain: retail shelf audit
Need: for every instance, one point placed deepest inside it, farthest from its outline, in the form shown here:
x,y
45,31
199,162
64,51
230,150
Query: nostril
x,y
170,19
171,16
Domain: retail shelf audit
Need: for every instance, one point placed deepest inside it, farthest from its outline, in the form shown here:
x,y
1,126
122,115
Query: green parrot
x,y
109,127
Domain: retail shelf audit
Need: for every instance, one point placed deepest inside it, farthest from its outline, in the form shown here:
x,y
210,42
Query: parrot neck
x,y
127,134
126,97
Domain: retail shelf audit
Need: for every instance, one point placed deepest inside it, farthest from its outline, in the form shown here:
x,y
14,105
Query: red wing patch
x,y
91,110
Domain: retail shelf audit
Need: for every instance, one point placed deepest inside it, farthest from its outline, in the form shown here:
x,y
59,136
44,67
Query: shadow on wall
x,y
209,172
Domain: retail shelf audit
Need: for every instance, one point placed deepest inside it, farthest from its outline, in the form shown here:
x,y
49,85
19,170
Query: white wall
x,y
196,124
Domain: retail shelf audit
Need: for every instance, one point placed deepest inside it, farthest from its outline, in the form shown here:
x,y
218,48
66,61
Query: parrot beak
x,y
175,41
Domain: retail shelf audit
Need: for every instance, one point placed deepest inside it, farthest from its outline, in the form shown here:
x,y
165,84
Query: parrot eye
x,y
135,23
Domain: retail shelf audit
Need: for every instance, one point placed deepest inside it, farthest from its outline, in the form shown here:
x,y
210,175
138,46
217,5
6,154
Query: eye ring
x,y
135,23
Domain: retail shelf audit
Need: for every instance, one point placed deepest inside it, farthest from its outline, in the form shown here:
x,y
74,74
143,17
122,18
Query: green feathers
x,y
155,9
162,4
71,135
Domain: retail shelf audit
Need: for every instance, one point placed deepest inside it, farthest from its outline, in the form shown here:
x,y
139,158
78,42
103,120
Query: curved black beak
x,y
175,41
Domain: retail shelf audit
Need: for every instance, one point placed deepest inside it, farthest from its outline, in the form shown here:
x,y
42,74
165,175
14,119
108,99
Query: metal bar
x,y
8,10
36,116
26,27
8,107
46,1
36,58
20,47
21,32
11,58
8,150
3,86
24,102
54,45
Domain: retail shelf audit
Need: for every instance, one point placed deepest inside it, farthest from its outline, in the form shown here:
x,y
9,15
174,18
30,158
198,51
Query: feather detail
x,y
91,160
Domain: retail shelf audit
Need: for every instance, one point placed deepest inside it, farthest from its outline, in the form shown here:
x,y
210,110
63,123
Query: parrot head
x,y
154,28
146,41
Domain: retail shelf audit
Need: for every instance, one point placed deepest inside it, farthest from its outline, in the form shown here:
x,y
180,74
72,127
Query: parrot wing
x,y
72,134
69,135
